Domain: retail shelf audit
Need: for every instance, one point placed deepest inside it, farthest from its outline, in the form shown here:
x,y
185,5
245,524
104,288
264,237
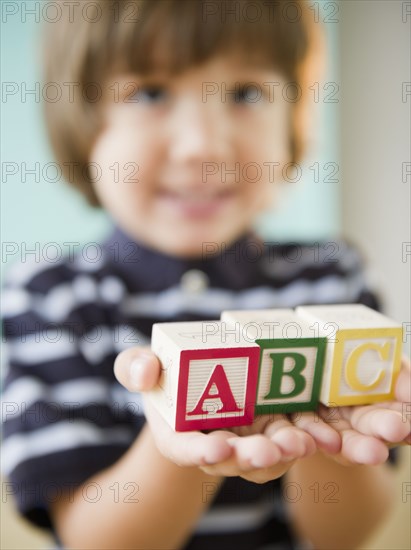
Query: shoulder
x,y
326,271
310,259
52,289
60,320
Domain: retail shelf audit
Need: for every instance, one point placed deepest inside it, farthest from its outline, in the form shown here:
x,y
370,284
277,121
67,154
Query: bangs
x,y
171,36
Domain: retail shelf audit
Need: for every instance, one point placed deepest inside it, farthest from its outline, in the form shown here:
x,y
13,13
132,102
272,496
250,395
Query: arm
x,y
167,495
345,512
272,445
359,493
167,490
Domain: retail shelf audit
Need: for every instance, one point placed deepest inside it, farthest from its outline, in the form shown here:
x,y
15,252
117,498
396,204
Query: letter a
x,y
219,380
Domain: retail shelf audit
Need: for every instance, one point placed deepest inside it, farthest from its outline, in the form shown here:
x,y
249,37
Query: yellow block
x,y
347,367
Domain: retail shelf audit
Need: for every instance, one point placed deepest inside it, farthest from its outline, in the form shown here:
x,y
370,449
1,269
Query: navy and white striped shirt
x,y
65,415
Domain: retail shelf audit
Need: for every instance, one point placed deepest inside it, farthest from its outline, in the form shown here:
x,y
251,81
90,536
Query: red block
x,y
209,378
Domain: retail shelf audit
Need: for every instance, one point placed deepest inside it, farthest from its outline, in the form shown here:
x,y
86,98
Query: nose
x,y
199,132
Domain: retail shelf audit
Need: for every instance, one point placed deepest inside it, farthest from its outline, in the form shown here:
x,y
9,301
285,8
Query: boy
x,y
84,461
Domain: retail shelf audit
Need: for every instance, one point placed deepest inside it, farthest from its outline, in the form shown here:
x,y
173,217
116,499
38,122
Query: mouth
x,y
195,203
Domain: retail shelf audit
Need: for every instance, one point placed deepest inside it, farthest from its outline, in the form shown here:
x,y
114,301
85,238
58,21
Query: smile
x,y
195,204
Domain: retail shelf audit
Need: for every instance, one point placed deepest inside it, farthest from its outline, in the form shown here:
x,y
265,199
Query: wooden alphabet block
x,y
209,377
291,359
363,355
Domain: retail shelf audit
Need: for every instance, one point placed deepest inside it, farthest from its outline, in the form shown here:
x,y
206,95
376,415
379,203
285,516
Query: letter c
x,y
351,370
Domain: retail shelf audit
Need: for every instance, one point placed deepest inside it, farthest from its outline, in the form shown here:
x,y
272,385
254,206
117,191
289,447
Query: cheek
x,y
120,168
124,148
272,148
262,174
259,195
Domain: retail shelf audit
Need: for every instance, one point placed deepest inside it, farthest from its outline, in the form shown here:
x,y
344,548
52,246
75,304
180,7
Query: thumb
x,y
137,369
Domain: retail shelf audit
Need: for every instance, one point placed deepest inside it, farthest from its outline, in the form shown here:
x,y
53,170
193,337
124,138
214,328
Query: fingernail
x,y
138,369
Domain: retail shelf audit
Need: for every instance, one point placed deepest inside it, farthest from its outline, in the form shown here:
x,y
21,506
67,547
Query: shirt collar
x,y
145,269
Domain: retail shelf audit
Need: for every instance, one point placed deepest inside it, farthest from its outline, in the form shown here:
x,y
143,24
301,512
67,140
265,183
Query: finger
x,y
197,449
137,369
258,450
255,451
362,449
267,474
226,468
188,448
384,423
325,437
293,442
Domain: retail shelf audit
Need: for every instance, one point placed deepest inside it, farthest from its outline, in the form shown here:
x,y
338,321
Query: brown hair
x,y
85,47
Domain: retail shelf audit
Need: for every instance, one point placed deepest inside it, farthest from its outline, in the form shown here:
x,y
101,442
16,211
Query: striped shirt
x,y
65,417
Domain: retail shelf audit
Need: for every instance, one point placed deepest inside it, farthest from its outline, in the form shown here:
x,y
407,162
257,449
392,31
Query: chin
x,y
184,250
198,246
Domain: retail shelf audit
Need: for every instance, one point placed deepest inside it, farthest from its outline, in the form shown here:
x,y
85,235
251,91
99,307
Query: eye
x,y
248,93
151,94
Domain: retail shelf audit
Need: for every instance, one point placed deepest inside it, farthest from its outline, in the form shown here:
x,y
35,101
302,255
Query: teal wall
x,y
43,212
310,208
34,211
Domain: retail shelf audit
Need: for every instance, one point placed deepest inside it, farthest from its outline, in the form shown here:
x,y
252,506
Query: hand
x,y
260,452
368,431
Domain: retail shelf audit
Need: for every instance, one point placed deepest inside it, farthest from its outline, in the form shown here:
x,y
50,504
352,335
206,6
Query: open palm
x,y
266,449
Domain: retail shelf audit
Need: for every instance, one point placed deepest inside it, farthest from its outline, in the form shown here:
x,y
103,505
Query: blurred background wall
x,y
360,187
375,65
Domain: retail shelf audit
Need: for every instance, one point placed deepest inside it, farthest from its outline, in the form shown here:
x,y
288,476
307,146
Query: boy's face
x,y
184,161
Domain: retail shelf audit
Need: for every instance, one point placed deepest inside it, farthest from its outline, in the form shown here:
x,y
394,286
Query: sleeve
x,y
65,417
314,273
341,275
353,261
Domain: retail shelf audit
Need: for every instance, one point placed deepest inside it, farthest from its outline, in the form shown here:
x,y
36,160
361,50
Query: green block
x,y
290,374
